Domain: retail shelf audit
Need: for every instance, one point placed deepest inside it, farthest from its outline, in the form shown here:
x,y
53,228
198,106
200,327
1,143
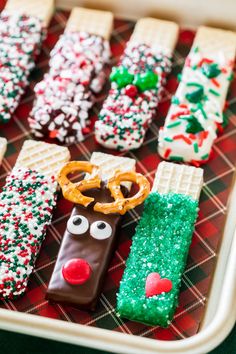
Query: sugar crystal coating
x,y
160,244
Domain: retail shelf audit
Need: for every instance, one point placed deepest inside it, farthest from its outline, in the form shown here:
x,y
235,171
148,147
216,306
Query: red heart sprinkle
x,y
155,285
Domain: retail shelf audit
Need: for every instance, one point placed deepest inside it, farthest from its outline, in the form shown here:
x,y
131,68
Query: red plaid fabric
x,y
206,240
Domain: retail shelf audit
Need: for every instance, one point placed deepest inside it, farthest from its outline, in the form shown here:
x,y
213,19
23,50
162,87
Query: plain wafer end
x,y
158,34
214,41
95,22
43,157
3,147
108,164
179,179
38,8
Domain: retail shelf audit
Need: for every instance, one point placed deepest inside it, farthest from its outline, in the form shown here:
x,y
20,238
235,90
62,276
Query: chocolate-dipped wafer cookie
x,y
91,230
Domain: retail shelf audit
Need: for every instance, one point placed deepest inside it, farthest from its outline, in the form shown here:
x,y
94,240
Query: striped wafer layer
x,y
181,179
42,157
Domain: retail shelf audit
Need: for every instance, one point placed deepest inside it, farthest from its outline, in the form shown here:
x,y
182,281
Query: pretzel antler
x,y
121,204
72,191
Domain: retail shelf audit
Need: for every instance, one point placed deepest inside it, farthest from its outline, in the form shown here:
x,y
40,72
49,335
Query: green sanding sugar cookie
x,y
159,251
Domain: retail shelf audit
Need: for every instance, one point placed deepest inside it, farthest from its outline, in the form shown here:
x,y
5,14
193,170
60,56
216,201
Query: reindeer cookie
x,y
91,230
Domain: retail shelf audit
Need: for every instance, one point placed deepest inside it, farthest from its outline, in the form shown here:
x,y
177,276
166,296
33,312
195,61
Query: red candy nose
x,y
76,271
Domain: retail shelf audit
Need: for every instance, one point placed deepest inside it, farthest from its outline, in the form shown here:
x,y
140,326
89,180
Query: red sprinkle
x,y
184,138
167,153
181,113
215,82
204,60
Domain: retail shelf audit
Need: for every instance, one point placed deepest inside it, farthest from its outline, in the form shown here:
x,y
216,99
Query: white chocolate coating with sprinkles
x,y
26,205
196,113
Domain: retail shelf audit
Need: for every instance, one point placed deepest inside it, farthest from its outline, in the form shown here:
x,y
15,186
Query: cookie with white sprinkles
x,y
76,71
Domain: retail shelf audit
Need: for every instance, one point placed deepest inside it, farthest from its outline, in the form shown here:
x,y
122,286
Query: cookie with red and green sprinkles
x,y
136,88
196,115
26,204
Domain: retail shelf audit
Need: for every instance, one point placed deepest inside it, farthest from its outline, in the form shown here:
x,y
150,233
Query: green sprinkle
x,y
168,139
230,77
196,49
225,120
194,84
172,125
214,92
174,100
205,157
177,158
195,147
202,110
179,77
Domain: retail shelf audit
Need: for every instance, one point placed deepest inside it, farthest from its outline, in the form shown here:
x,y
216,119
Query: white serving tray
x,y
220,314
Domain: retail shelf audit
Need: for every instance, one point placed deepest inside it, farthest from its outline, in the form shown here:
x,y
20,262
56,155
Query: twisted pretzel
x,y
121,204
72,191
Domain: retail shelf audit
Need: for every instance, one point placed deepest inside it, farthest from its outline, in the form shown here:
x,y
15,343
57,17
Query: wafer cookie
x,y
137,84
88,242
36,8
196,113
3,147
26,206
149,288
45,158
95,22
22,30
77,62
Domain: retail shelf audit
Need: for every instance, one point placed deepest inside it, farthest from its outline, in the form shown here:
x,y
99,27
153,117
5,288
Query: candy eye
x,y
77,225
100,230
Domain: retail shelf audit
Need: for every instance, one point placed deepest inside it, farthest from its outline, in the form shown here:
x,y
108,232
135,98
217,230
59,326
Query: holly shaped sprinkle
x,y
193,126
146,81
211,70
196,95
121,76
